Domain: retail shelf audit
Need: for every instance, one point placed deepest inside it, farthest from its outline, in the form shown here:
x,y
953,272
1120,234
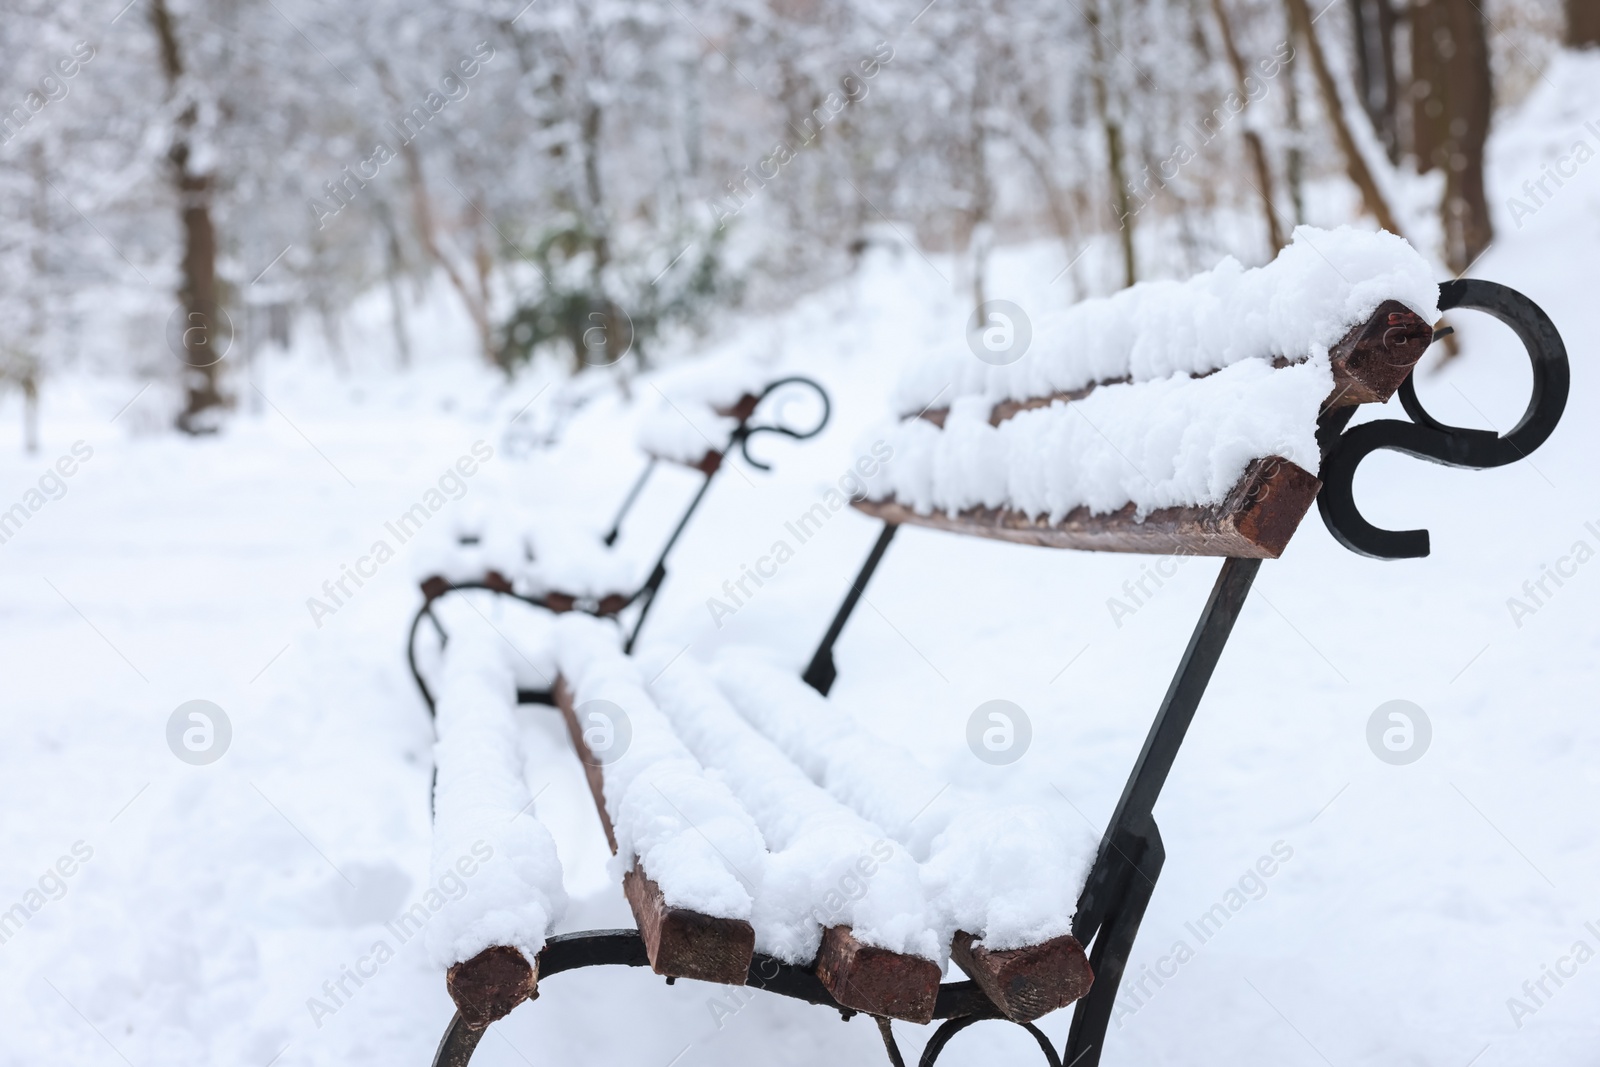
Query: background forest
x,y
187,177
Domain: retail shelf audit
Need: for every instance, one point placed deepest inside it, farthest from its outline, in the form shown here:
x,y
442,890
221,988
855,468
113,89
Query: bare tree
x,y
1099,76
1372,24
197,290
1453,98
1252,139
1372,198
1583,24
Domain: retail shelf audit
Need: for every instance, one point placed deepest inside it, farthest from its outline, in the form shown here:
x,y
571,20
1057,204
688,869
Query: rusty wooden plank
x,y
591,766
610,604
1369,364
1255,520
687,944
707,464
436,586
1026,983
1373,360
490,984
740,409
681,943
874,980
1007,408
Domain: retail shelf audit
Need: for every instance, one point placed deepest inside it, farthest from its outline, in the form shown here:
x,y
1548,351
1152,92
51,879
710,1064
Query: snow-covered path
x,y
209,905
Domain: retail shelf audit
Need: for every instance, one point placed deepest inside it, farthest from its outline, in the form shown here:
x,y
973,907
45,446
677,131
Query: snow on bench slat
x,y
483,815
1172,442
685,828
575,561
1322,284
524,634
1007,872
827,865
683,424
685,432
565,559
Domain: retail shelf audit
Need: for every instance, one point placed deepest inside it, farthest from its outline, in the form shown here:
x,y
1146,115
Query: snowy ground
x,y
216,900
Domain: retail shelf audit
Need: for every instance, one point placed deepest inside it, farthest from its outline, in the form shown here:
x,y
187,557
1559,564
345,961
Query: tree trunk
x,y
1373,23
607,341
30,413
1113,132
1454,99
203,329
1583,24
26,359
1355,163
980,232
1252,139
422,216
1295,158
394,265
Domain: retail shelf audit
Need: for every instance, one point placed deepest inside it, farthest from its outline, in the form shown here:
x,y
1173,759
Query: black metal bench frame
x,y
437,588
1123,878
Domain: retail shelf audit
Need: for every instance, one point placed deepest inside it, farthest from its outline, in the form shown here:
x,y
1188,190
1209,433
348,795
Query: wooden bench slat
x,y
1029,982
681,943
605,606
688,944
875,980
436,586
1372,361
490,984
1369,364
591,767
708,463
740,409
1254,521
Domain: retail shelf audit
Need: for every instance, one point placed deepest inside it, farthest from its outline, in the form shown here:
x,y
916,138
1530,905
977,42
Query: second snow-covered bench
x,y
539,560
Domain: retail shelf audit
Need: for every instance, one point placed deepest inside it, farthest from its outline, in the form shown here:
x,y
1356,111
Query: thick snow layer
x,y
827,865
566,560
524,634
1174,441
466,551
1320,285
681,422
1007,872
684,431
684,827
537,551
716,380
494,862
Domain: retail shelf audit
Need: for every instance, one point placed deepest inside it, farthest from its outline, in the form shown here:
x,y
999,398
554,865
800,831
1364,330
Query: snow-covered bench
x,y
539,561
766,837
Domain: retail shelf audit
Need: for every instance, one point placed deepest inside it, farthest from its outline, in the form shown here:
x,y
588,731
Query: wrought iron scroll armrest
x,y
1425,437
745,431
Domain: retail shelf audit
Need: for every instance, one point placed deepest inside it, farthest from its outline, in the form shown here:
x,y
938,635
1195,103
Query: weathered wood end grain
x,y
687,944
875,980
490,984
1029,982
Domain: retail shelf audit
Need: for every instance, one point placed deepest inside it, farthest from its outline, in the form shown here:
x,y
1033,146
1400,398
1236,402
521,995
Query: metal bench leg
x,y
627,504
646,595
820,675
459,1042
1112,946
1123,878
